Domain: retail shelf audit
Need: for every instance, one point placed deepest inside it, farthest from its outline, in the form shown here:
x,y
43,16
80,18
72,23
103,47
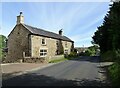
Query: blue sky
x,y
79,20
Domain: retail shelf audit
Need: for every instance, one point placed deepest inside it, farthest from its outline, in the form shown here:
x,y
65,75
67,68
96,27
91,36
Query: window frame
x,y
43,52
66,51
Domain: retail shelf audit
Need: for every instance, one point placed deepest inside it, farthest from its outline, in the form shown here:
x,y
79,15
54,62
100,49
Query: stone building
x,y
26,41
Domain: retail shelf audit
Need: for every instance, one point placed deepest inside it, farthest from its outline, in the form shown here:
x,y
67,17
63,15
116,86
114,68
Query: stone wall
x,y
68,47
50,46
56,57
34,60
17,43
36,45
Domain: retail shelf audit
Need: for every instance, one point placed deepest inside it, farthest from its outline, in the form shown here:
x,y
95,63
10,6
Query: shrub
x,y
90,52
111,55
114,73
72,54
117,55
107,56
87,53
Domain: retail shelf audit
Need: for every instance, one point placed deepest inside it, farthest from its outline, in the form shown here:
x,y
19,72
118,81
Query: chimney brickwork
x,y
20,18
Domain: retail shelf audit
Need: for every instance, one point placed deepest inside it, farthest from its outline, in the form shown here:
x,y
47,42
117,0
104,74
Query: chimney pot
x,y
60,32
20,13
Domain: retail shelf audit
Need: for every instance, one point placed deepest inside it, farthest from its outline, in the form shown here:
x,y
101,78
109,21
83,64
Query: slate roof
x,y
41,32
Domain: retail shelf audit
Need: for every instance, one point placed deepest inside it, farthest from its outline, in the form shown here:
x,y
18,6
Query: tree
x,y
2,41
2,44
91,51
108,34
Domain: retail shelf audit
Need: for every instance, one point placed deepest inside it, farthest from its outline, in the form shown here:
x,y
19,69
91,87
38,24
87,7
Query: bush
x,y
90,52
108,56
114,73
117,55
87,53
72,54
111,56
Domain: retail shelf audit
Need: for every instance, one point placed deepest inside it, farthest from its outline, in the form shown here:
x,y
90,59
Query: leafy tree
x,y
2,41
108,34
91,51
2,44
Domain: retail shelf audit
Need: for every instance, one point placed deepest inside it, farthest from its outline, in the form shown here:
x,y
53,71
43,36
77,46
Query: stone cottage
x,y
26,41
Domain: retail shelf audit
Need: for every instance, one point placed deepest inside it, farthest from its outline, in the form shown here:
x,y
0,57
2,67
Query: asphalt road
x,y
82,71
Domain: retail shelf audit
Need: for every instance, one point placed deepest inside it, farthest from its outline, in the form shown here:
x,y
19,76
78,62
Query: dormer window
x,y
43,41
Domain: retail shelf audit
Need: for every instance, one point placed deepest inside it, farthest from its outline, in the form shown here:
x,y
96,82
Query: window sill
x,y
44,44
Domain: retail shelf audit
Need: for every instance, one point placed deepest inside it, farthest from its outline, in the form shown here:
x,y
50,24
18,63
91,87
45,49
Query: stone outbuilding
x,y
28,42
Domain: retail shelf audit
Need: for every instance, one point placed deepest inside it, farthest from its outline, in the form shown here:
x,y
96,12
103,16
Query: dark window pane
x,y
45,50
43,41
41,54
45,53
41,50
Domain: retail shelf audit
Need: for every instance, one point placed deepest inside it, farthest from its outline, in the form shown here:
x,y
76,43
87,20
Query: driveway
x,y
82,71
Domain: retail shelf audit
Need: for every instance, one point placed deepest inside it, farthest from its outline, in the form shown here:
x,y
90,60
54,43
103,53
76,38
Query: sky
x,y
79,20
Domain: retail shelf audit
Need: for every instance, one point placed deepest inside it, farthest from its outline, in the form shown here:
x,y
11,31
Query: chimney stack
x,y
20,19
60,32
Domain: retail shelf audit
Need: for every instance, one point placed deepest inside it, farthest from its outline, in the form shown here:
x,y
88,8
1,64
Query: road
x,y
82,71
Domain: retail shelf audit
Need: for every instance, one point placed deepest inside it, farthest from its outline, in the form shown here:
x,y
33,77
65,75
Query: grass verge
x,y
59,60
114,74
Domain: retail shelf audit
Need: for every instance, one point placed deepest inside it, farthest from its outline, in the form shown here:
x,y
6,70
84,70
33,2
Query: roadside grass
x,y
114,69
57,60
60,60
72,55
114,74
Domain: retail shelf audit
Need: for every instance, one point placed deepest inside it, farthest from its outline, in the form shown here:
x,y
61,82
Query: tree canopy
x,y
2,41
2,45
108,34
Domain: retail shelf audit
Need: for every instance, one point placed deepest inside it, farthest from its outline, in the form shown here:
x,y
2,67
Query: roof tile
x,y
42,32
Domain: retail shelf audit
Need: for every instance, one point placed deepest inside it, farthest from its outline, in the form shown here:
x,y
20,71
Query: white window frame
x,y
43,52
66,51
